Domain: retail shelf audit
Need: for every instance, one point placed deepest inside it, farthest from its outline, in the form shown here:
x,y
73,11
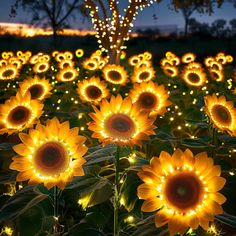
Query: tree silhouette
x,y
188,7
113,28
52,13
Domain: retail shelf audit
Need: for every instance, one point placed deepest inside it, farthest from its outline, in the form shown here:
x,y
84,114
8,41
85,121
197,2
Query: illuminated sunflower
x,y
175,61
221,59
90,64
171,71
67,74
60,56
147,55
229,58
41,67
143,74
18,113
115,74
216,65
221,112
92,90
150,97
38,88
194,77
182,189
143,63
134,60
217,75
79,52
120,122
66,63
166,62
188,57
50,154
15,62
208,61
8,72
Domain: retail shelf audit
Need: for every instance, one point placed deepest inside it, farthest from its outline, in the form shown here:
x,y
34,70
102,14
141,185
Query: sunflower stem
x,y
116,197
55,214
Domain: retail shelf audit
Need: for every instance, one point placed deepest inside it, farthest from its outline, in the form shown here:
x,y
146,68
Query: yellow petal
x,y
215,184
21,149
148,177
146,191
218,197
177,158
151,204
26,139
162,217
177,225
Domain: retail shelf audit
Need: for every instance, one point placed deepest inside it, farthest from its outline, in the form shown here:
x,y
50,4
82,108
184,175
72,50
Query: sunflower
x,y
188,57
50,154
60,56
115,74
143,63
134,60
171,71
143,74
229,58
18,113
194,77
216,75
221,59
8,72
166,62
15,62
66,63
120,122
182,189
90,64
38,88
208,61
150,97
79,52
215,65
194,65
41,67
221,112
92,90
67,74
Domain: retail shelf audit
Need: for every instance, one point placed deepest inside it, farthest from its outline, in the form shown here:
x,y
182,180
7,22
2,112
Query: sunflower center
x,y
91,65
114,75
147,100
222,115
36,91
193,78
144,75
93,92
68,75
120,126
7,73
215,75
42,67
184,191
169,71
19,115
51,159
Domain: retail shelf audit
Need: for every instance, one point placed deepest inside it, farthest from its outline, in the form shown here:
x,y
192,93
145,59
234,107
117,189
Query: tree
x,y
52,13
218,27
233,26
113,28
188,7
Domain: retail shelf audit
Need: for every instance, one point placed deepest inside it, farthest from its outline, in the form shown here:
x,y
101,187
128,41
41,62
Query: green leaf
x,y
19,203
6,146
128,191
194,143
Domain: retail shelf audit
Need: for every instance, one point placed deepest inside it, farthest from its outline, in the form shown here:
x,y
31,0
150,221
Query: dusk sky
x,y
164,14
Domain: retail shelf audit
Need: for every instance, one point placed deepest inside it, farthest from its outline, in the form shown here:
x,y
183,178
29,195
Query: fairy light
x,y
129,219
7,231
113,29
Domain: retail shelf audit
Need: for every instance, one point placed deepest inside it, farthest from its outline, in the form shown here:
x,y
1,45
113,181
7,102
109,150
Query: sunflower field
x,y
94,148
